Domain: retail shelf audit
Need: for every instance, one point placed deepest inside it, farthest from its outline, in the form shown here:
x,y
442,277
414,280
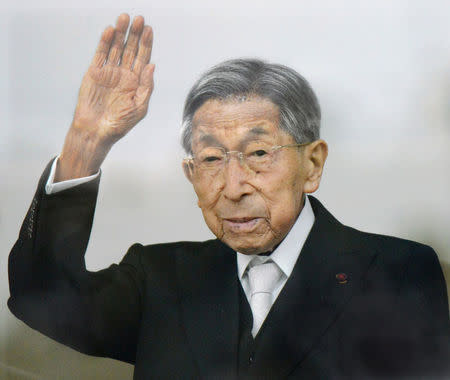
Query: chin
x,y
257,241
246,248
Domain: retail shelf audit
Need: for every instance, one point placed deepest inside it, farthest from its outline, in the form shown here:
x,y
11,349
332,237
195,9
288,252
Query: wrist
x,y
81,156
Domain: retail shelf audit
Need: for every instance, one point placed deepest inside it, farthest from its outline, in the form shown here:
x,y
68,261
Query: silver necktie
x,y
263,279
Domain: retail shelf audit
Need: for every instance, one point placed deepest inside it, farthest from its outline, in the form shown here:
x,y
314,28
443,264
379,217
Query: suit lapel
x,y
210,309
312,298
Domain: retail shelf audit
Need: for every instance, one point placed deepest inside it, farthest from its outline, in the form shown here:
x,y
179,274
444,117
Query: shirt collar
x,y
288,251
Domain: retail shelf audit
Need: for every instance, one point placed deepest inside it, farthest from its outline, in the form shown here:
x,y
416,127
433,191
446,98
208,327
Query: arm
x,y
407,310
51,290
424,287
52,187
113,98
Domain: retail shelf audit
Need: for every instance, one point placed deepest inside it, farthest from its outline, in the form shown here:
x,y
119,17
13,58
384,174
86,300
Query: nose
x,y
236,175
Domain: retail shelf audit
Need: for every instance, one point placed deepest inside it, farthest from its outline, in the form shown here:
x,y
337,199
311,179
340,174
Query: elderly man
x,y
285,291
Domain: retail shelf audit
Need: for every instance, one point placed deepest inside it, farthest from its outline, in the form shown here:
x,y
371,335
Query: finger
x,y
115,52
145,50
103,47
146,84
131,46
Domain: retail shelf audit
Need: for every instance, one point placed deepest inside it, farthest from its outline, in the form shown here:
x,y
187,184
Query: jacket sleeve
x,y
424,286
97,313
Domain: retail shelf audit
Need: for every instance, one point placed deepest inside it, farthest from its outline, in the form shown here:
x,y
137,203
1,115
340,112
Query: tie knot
x,y
263,277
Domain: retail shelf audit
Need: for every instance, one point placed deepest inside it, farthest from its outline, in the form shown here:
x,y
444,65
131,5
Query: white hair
x,y
242,78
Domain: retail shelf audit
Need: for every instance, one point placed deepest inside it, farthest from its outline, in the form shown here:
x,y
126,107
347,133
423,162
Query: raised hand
x,y
113,97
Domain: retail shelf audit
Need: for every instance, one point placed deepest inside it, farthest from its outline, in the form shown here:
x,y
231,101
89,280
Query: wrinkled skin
x,y
249,211
113,97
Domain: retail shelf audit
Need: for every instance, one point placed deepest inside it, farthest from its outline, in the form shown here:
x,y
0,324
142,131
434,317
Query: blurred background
x,y
381,71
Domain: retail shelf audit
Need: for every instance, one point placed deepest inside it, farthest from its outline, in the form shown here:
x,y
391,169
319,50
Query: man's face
x,y
250,211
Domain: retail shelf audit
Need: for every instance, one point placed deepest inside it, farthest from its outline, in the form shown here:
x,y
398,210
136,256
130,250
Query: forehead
x,y
230,119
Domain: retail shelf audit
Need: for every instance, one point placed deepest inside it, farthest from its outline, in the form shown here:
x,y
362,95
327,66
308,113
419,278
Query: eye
x,y
259,153
211,159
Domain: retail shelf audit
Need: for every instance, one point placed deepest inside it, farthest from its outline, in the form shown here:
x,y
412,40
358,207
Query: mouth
x,y
242,224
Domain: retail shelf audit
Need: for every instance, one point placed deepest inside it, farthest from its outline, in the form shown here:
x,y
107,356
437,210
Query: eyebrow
x,y
257,131
209,139
252,133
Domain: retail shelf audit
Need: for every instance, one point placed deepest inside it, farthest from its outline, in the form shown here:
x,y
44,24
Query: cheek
x,y
208,196
208,193
283,201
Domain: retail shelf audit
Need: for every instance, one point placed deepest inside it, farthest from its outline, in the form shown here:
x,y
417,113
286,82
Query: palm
x,y
114,96
108,100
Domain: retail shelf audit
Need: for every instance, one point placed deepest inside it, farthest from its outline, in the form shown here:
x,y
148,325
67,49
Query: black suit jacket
x,y
173,309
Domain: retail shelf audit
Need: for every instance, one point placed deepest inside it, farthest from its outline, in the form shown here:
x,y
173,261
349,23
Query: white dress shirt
x,y
52,188
285,255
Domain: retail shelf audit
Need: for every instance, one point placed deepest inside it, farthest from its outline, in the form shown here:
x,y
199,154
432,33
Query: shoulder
x,y
406,267
164,267
351,239
202,248
394,260
399,261
168,254
397,252
395,247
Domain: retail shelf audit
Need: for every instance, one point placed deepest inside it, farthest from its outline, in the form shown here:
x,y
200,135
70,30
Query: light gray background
x,y
380,69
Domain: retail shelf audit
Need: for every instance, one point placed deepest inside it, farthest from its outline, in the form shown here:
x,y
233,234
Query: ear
x,y
187,169
314,158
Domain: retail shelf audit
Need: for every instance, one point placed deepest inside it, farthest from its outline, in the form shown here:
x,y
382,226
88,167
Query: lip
x,y
242,225
241,220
